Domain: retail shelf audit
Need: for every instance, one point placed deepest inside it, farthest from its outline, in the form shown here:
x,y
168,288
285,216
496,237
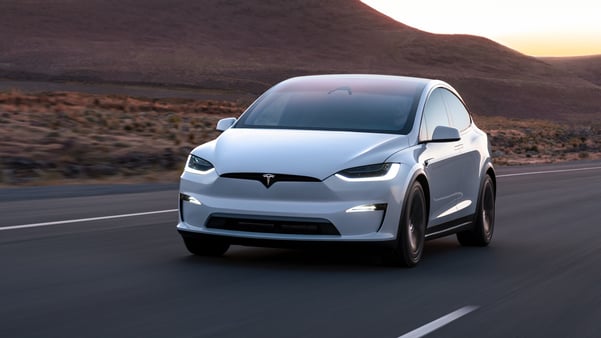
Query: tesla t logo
x,y
268,179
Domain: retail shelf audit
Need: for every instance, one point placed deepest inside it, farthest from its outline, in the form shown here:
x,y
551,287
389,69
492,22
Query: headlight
x,y
198,165
374,172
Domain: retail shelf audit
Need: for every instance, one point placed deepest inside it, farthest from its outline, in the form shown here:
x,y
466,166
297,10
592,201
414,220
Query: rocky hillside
x,y
586,67
250,45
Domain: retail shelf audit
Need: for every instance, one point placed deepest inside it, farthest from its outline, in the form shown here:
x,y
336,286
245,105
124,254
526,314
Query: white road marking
x,y
548,172
440,322
35,225
43,224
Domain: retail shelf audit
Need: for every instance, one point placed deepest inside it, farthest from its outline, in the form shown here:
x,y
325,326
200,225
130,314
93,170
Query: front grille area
x,y
273,178
279,225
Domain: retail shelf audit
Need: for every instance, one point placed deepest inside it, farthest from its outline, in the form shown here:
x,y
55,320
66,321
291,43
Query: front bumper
x,y
291,209
362,246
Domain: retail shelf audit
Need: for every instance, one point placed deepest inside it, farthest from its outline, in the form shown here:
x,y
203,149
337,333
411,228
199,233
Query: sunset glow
x,y
559,28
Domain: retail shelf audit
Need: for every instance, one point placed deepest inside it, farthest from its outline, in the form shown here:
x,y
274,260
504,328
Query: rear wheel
x,y
484,220
203,247
412,228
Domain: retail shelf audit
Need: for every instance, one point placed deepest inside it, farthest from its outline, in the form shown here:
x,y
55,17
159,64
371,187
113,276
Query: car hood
x,y
317,154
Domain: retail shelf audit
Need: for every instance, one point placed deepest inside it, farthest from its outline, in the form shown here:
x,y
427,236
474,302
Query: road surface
x,y
129,275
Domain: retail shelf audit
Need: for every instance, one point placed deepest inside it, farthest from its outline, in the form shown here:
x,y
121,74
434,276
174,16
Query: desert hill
x,y
587,67
250,45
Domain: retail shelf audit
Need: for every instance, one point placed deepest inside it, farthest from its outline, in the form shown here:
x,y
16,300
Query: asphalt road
x,y
132,277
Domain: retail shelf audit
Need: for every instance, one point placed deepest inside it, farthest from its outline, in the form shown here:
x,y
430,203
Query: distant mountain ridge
x,y
587,67
250,45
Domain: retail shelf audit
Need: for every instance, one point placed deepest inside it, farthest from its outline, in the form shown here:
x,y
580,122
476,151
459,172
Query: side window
x,y
459,116
435,114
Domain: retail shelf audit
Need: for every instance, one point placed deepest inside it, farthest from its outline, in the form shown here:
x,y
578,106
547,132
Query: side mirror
x,y
445,134
224,124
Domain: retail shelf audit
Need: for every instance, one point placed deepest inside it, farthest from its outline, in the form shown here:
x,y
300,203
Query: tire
x,y
412,229
484,219
202,247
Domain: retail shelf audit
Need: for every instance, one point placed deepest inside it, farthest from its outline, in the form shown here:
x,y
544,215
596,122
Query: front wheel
x,y
484,220
412,228
204,247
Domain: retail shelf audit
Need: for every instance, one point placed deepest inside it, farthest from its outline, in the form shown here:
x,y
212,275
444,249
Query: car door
x,y
441,160
468,153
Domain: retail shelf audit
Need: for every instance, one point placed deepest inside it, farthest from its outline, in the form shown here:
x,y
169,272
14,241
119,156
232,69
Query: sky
x,y
537,28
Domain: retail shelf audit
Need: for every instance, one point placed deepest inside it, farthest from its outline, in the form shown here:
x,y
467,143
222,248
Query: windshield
x,y
344,104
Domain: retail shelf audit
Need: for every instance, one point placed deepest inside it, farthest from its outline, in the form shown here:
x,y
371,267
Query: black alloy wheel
x,y
203,247
484,219
412,228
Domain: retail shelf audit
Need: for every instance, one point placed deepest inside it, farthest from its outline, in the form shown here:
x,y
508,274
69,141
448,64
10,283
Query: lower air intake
x,y
283,225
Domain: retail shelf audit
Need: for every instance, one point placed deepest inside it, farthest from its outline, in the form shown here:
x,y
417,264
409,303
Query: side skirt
x,y
450,228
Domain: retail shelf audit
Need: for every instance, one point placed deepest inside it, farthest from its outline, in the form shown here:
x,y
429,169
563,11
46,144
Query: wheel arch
x,y
490,171
421,178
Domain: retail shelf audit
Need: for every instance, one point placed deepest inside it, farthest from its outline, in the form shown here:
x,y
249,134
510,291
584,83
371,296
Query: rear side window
x,y
435,114
458,114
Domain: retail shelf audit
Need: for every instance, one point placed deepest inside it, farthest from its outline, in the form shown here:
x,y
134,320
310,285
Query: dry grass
x,y
56,136
516,141
51,138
